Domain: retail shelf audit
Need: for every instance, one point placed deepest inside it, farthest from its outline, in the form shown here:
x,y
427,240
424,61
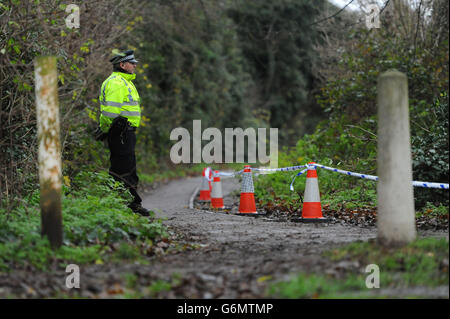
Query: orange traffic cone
x,y
247,203
216,193
312,209
205,191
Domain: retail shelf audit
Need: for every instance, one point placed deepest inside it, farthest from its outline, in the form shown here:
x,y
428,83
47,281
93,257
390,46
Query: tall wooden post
x,y
396,216
49,153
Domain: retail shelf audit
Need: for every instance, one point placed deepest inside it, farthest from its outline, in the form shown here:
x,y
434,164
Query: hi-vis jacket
x,y
119,97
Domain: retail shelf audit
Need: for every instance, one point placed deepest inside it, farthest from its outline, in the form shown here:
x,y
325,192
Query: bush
x,y
337,144
430,149
78,53
350,100
95,217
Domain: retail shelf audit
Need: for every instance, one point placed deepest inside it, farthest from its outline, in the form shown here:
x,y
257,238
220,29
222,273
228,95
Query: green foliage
x,y
348,139
430,149
131,280
160,286
337,191
21,243
207,60
431,210
78,54
359,197
95,217
354,91
316,286
99,200
350,101
417,264
277,41
336,144
127,252
192,57
274,188
164,175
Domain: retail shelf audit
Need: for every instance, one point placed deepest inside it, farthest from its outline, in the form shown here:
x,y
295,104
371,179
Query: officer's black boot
x,y
138,209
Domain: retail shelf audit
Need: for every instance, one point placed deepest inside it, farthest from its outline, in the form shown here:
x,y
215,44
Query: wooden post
x,y
396,216
49,153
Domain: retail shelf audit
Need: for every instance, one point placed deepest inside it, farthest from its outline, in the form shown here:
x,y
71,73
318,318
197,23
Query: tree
x,y
277,41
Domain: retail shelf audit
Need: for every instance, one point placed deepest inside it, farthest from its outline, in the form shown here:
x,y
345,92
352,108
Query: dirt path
x,y
239,250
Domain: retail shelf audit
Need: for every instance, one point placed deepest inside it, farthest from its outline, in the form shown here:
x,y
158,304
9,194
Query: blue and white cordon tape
x,y
308,166
365,176
430,185
291,187
374,178
228,174
282,169
221,174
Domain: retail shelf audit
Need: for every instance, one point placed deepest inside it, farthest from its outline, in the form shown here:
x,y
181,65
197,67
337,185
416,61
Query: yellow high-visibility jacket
x,y
119,97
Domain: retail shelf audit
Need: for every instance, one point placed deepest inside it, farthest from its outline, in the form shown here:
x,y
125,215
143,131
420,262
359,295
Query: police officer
x,y
119,118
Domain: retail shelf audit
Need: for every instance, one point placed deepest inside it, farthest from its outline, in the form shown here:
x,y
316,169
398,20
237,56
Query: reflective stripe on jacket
x,y
119,97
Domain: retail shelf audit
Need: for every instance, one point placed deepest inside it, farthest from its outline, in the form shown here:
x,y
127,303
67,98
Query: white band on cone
x,y
312,190
247,183
216,190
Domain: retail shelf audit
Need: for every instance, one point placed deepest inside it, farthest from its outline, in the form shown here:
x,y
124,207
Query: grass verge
x,y
98,227
422,263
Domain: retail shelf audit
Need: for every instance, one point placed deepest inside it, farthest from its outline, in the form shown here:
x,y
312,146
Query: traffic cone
x,y
312,209
205,190
216,193
247,203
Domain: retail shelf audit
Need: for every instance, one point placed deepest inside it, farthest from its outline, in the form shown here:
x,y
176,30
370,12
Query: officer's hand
x,y
99,135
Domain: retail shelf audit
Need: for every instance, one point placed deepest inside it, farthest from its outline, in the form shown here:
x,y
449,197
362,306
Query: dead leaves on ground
x,y
363,217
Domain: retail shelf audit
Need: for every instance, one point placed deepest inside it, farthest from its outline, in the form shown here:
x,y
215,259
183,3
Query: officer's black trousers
x,y
123,160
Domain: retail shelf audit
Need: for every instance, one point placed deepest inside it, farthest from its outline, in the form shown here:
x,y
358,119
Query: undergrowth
x,y
422,263
98,226
337,191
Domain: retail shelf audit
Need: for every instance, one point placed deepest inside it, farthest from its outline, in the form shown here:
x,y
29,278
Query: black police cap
x,y
127,56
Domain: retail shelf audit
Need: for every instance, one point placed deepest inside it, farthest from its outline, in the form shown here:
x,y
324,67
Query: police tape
x,y
282,169
291,187
365,176
257,169
228,174
210,174
430,185
375,178
308,166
